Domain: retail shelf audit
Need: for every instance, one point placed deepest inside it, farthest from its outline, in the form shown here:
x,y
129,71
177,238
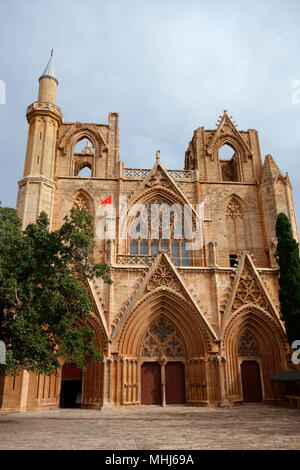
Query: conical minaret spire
x,y
48,83
49,70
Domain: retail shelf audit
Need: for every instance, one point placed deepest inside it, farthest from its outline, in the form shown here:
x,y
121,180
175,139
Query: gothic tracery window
x,y
248,345
158,228
81,202
162,339
234,209
236,232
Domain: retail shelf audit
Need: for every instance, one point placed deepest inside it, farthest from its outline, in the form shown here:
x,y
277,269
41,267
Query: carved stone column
x,y
213,254
223,382
107,376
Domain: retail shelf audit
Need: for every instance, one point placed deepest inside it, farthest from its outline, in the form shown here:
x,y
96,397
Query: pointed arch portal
x,y
163,332
252,348
163,369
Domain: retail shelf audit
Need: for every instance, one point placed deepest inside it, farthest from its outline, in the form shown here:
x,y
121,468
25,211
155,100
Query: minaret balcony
x,y
44,107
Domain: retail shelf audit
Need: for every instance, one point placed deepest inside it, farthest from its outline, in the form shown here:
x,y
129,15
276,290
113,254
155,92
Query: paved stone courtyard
x,y
152,428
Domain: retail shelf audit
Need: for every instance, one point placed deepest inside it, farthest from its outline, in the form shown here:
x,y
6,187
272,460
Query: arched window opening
x,y
226,152
229,163
85,172
159,227
84,146
83,158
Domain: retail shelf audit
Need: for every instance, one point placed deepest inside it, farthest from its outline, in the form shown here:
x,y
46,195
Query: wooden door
x,y
175,383
151,383
251,382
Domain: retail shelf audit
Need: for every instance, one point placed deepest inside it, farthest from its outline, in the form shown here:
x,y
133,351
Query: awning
x,y
286,376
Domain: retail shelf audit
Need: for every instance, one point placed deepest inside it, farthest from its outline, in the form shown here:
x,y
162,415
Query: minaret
x,y
36,189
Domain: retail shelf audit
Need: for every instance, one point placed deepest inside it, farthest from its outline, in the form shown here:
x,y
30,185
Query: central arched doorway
x,y
163,327
163,369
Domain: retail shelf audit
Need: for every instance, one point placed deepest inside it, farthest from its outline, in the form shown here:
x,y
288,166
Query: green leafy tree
x,y
287,255
43,291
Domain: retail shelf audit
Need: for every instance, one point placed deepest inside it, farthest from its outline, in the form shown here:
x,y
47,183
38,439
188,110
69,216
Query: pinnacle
x,y
270,162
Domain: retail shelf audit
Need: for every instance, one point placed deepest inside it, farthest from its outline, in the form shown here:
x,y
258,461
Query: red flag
x,y
106,201
204,203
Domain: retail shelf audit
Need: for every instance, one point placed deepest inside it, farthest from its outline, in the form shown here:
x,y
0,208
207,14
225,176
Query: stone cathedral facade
x,y
198,327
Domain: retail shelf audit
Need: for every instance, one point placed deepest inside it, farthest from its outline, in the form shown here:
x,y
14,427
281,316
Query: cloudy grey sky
x,y
167,67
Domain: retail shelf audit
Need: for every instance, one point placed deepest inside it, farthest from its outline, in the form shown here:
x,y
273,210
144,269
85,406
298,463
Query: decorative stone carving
x,y
81,202
158,179
162,339
163,276
76,131
249,292
136,173
248,346
227,132
135,260
234,209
